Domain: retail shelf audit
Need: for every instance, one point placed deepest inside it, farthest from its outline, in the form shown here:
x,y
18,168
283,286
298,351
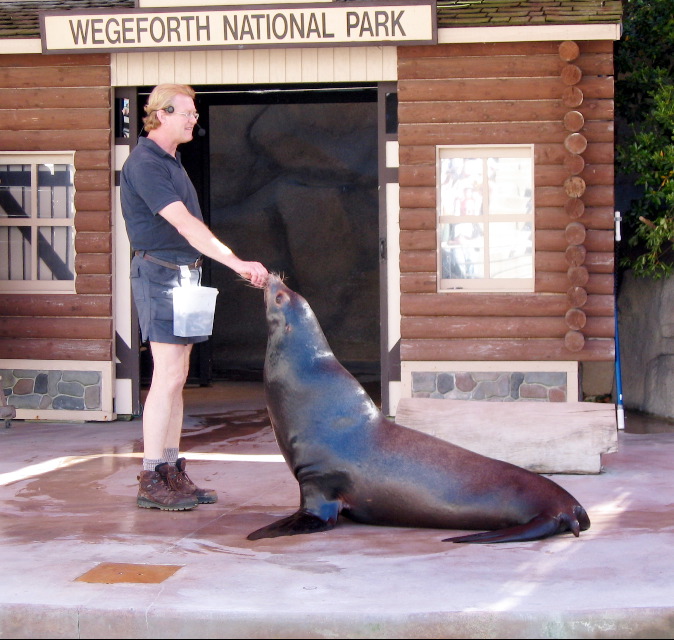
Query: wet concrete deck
x,y
78,559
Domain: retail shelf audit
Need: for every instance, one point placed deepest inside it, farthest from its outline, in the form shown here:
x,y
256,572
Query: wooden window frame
x,y
484,219
35,223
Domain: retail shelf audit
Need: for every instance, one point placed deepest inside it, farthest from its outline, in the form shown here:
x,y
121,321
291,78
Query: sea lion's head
x,y
291,322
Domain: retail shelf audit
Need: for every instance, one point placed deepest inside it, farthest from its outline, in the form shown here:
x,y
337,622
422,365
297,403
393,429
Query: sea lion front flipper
x,y
541,526
301,521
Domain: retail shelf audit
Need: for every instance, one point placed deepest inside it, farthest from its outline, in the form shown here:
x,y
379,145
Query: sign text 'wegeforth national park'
x,y
322,24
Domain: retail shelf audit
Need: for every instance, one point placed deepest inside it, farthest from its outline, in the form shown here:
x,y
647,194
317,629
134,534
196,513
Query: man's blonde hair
x,y
162,98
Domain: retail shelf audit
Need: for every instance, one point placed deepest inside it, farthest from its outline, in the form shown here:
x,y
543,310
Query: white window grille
x,y
37,213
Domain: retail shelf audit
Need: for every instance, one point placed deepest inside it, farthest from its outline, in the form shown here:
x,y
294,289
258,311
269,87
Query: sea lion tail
x,y
579,522
301,521
542,526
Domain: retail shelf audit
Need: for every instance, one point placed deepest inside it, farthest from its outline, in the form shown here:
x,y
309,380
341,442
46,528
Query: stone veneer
x,y
496,386
60,390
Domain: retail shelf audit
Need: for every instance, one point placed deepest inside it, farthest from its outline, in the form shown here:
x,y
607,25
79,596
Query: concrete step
x,y
545,437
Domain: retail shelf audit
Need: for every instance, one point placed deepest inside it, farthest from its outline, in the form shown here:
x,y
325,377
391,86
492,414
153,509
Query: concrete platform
x,y
544,437
78,559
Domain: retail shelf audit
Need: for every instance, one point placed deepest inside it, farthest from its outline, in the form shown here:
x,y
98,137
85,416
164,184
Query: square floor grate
x,y
113,572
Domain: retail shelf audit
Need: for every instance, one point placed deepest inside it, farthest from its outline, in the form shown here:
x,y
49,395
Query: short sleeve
x,y
151,180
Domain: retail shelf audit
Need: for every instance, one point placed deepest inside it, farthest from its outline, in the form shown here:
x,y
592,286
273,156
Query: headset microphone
x,y
201,132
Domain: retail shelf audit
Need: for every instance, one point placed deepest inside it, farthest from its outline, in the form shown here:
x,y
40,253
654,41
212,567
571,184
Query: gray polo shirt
x,y
152,179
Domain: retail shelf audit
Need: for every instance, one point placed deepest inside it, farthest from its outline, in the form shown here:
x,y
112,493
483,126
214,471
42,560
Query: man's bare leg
x,y
177,479
163,410
162,420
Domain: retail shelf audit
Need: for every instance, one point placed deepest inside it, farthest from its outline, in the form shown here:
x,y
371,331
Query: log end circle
x,y
574,340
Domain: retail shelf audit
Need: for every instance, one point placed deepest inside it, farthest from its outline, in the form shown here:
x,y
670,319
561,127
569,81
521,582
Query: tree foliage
x,y
645,151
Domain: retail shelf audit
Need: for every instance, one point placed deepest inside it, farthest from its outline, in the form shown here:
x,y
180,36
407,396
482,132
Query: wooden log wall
x,y
558,96
63,103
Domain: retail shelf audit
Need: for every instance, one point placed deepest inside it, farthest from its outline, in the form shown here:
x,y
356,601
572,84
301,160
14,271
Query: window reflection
x,y
15,190
56,257
55,191
462,250
510,250
486,213
509,185
15,249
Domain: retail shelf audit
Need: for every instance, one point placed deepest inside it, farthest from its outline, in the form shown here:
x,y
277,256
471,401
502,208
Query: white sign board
x,y
356,23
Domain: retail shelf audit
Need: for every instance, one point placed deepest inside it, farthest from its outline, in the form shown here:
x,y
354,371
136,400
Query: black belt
x,y
192,265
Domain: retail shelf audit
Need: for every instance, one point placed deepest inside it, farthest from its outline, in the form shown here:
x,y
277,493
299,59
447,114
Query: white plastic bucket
x,y
193,311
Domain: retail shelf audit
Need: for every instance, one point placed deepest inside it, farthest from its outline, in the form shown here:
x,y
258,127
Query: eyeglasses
x,y
188,114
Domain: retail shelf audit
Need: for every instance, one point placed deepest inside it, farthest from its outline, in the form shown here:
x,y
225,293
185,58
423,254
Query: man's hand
x,y
253,271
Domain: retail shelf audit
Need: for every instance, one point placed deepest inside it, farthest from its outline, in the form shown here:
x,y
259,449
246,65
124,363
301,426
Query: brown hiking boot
x,y
154,493
180,482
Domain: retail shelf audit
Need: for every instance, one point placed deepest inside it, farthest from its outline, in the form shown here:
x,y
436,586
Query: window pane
x,y
15,253
462,250
461,186
510,185
55,253
122,107
55,191
15,191
510,250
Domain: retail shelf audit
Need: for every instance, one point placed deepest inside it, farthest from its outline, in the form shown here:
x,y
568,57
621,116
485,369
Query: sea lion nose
x,y
271,287
273,282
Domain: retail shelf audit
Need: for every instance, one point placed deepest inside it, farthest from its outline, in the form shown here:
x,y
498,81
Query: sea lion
x,y
349,458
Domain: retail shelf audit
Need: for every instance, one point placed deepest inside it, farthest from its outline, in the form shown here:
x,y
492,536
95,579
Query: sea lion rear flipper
x,y
539,527
301,521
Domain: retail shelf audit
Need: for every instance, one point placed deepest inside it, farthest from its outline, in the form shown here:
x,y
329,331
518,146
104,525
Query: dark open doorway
x,y
290,178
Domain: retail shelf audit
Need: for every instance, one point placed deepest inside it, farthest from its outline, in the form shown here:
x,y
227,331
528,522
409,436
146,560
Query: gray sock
x,y
171,455
149,464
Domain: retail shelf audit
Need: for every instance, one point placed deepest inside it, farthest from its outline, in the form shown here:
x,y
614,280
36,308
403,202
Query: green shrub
x,y
645,150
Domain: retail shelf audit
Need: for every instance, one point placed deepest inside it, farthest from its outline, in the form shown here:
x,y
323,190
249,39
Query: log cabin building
x,y
440,190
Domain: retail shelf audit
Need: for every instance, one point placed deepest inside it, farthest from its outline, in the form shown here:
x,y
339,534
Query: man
x,y
166,230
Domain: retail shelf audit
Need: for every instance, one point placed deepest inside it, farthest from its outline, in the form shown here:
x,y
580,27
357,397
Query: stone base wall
x,y
646,337
500,386
59,390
